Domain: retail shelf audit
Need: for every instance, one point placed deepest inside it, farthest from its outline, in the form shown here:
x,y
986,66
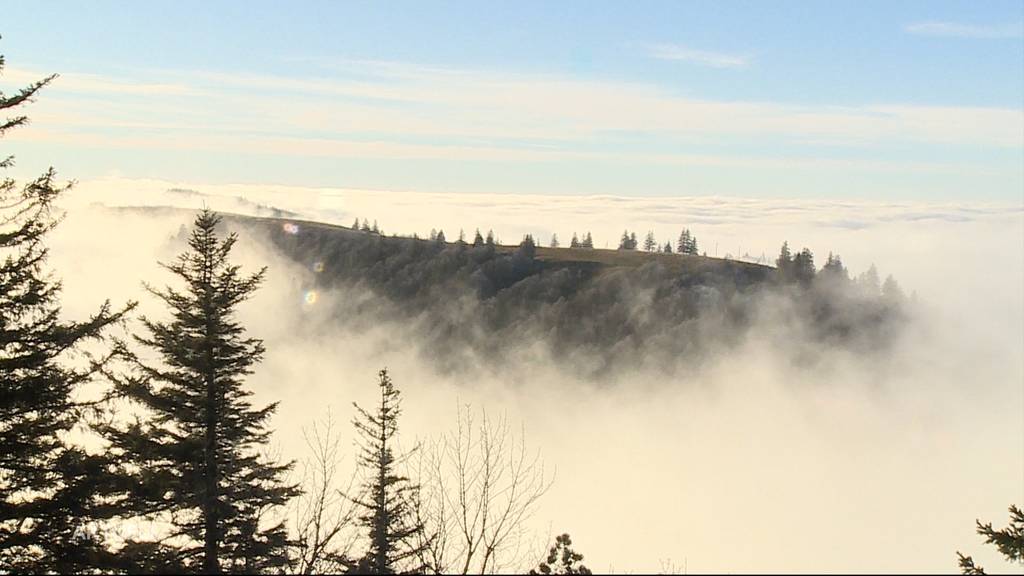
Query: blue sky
x,y
911,100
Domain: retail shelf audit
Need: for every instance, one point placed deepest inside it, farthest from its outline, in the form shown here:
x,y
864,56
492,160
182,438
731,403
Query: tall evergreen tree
x,y
50,489
891,290
588,241
649,242
196,452
527,248
834,269
490,238
440,239
575,242
554,240
868,282
784,263
478,240
394,534
803,267
628,241
683,246
668,248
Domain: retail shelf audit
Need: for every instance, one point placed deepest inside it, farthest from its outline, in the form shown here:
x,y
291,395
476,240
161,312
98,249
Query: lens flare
x,y
318,267
310,297
290,228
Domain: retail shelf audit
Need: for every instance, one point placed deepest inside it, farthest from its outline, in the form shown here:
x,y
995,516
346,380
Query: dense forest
x,y
594,312
166,470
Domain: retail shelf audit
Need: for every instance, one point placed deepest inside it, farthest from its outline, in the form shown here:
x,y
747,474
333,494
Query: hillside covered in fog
x,y
595,311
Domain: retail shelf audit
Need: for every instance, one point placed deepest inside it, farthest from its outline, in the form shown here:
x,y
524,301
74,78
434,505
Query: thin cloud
x,y
700,57
958,30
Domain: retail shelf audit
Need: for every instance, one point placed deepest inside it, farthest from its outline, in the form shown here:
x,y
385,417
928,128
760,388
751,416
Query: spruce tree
x,y
803,267
527,248
784,263
50,489
554,240
575,242
562,559
478,240
1009,541
196,451
490,238
683,246
649,242
395,536
588,241
624,241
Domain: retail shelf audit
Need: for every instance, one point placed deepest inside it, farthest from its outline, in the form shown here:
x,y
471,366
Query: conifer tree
x,y
649,242
575,242
891,290
490,238
868,282
440,238
196,452
624,241
834,269
668,248
803,267
355,225
632,241
50,489
478,240
527,248
683,246
561,559
588,241
554,240
1009,541
395,536
784,263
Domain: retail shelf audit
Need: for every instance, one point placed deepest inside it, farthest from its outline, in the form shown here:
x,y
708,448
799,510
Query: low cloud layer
x,y
749,461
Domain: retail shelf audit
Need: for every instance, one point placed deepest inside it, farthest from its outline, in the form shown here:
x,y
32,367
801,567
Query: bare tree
x,y
478,487
325,521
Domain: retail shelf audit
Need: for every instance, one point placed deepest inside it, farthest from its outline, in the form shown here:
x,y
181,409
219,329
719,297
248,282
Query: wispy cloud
x,y
959,30
701,57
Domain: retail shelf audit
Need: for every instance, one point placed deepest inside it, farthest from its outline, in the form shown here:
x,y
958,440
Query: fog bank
x,y
750,462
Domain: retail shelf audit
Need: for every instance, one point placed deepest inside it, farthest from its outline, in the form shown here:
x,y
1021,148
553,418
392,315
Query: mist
x,y
746,461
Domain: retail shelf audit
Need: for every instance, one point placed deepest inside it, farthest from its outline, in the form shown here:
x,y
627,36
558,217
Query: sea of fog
x,y
748,463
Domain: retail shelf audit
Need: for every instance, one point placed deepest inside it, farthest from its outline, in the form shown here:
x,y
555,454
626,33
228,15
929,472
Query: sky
x,y
838,100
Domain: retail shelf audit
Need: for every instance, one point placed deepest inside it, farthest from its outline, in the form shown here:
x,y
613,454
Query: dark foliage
x,y
562,559
1009,541
195,456
50,489
394,534
475,305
